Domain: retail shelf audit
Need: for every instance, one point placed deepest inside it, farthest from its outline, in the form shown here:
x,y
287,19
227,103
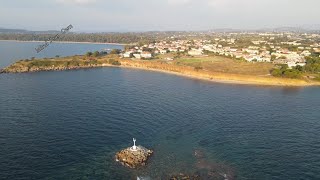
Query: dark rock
x,y
185,177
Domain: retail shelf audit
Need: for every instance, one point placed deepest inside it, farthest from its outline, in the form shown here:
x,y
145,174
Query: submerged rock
x,y
185,177
212,170
133,158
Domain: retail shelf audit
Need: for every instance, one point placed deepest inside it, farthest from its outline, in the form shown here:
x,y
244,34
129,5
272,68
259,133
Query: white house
x,y
163,51
195,52
138,56
306,53
127,54
146,55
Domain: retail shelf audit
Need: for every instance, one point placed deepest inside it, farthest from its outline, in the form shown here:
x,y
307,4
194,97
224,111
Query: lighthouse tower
x,y
134,147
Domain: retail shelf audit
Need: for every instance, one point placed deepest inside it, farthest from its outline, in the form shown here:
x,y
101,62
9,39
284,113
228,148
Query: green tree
x,y
312,64
276,72
114,62
96,54
284,67
89,54
299,68
285,72
292,73
115,51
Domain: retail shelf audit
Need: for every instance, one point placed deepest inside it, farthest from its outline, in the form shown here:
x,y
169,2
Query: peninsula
x,y
212,67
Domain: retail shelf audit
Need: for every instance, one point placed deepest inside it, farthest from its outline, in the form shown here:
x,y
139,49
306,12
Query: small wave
x,y
143,178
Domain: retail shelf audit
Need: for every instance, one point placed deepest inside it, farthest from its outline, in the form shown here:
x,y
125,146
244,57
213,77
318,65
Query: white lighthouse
x,y
134,147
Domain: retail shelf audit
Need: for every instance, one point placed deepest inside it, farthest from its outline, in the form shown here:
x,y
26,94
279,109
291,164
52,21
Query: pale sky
x,y
157,15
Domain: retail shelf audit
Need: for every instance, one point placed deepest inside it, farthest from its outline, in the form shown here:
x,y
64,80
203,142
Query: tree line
x,y
123,38
312,67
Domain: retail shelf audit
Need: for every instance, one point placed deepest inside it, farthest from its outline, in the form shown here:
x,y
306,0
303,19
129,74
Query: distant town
x,y
278,48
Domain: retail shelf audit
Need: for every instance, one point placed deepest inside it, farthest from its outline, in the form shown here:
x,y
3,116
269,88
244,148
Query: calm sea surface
x,y
13,51
69,125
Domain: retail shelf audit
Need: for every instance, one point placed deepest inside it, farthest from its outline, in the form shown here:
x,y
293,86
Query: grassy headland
x,y
215,68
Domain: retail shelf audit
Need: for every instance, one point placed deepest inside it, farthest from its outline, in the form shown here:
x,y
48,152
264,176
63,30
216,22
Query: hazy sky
x,y
146,15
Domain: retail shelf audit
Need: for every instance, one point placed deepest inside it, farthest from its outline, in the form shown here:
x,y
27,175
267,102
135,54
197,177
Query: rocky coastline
x,y
52,68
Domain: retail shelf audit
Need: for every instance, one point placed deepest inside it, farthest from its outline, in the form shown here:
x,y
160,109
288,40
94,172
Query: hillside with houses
x,y
261,47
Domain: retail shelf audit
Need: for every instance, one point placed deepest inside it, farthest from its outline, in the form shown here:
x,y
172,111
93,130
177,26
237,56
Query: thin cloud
x,y
178,2
76,2
217,3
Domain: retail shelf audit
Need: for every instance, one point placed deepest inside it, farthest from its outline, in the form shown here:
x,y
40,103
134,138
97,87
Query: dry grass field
x,y
227,65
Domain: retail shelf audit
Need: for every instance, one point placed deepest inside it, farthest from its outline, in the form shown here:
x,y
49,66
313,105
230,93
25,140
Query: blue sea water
x,y
11,51
70,124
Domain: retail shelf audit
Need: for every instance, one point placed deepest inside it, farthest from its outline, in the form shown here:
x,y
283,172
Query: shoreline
x,y
215,80
184,71
223,81
188,76
67,42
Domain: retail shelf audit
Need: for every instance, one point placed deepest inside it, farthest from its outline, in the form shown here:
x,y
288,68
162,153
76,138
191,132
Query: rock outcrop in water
x,y
134,156
185,177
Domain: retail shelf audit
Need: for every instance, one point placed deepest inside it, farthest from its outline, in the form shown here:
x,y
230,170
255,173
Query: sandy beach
x,y
229,78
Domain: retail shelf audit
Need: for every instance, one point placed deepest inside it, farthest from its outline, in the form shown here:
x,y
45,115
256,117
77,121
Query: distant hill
x,y
303,29
23,31
300,29
2,30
